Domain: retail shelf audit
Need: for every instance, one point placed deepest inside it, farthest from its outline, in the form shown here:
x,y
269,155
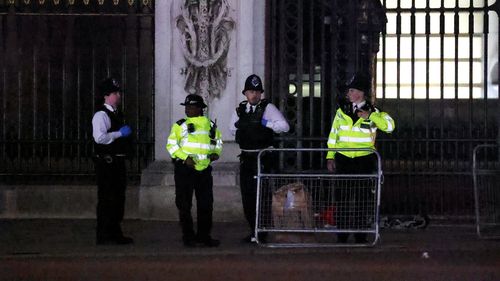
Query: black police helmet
x,y
108,86
253,82
360,81
193,99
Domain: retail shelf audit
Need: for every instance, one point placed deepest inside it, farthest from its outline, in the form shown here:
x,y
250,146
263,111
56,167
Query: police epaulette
x,y
181,121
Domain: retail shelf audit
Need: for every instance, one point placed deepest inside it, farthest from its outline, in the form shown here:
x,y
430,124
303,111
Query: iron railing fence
x,y
53,57
436,73
435,76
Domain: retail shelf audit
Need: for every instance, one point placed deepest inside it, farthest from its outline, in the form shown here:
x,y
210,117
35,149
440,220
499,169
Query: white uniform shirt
x,y
100,126
358,106
275,119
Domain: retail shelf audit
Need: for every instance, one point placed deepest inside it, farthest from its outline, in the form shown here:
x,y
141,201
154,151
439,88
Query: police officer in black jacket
x,y
254,123
111,143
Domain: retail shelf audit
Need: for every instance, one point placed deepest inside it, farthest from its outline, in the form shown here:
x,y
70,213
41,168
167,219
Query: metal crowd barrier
x,y
309,208
486,174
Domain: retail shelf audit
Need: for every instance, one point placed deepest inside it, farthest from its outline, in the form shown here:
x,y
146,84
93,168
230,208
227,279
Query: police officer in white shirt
x,y
111,143
254,123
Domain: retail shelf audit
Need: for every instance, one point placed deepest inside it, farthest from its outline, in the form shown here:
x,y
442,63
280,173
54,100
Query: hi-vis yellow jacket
x,y
192,137
362,134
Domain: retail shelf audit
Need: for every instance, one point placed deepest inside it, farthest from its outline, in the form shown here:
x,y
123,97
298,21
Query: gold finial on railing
x,y
71,2
116,2
100,2
145,2
86,2
41,2
131,2
26,2
56,2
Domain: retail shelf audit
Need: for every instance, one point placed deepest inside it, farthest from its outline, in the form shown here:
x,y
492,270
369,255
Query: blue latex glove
x,y
263,122
125,131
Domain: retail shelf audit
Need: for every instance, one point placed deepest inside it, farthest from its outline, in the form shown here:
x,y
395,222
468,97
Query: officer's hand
x,y
125,131
189,162
330,164
363,114
213,157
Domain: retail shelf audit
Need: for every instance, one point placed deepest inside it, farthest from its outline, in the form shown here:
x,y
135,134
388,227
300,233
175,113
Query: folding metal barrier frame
x,y
486,173
310,208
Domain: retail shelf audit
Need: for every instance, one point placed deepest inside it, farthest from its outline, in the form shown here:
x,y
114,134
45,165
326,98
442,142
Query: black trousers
x,y
188,180
355,195
248,184
111,185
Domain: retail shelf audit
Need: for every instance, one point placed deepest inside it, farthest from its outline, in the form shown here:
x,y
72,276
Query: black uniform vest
x,y
251,134
118,146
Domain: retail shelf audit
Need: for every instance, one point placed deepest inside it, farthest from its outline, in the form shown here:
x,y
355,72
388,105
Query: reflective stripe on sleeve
x,y
173,149
389,124
354,139
200,133
197,145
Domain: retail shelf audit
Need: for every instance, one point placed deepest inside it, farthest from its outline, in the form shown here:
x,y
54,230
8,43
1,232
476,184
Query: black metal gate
x,y
434,74
54,53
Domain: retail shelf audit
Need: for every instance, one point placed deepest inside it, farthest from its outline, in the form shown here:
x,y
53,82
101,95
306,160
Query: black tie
x,y
354,115
251,110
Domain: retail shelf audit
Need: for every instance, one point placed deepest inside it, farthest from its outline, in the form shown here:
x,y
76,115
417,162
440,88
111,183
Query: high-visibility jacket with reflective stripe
x,y
362,134
195,142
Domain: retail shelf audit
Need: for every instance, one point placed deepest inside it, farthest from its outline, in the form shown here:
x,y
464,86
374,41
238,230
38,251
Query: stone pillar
x,y
163,69
244,57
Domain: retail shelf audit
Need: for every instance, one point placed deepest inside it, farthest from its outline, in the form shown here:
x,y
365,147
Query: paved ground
x,y
65,250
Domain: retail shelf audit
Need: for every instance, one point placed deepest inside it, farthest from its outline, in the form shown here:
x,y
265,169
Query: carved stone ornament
x,y
205,28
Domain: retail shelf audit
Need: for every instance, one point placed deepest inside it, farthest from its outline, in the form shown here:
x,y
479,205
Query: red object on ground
x,y
328,215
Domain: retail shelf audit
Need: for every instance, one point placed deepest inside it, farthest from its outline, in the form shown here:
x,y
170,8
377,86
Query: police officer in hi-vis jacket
x,y
194,143
355,126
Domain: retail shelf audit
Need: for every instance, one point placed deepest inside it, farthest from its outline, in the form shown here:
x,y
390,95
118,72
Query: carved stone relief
x,y
205,29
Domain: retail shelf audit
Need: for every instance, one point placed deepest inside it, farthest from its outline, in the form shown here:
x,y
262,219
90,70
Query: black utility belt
x,y
108,158
178,161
